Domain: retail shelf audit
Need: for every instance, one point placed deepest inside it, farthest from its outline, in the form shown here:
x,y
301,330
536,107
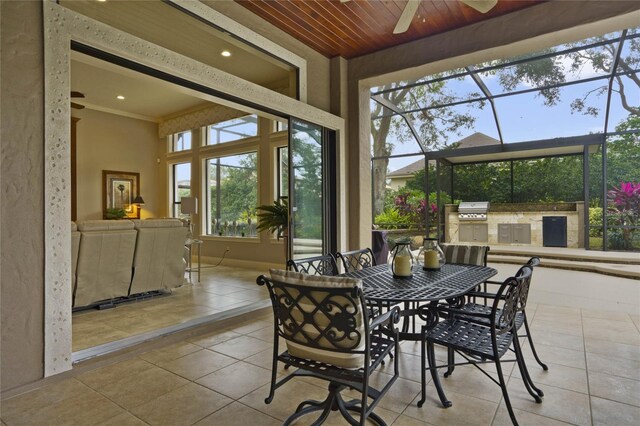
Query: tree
x,y
387,131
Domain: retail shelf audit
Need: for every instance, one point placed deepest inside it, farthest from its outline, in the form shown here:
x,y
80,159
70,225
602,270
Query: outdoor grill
x,y
475,210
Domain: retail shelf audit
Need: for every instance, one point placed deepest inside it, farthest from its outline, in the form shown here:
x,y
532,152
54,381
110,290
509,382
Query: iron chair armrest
x,y
482,294
459,312
493,282
391,316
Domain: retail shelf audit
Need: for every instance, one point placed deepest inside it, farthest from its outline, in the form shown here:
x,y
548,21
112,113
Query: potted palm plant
x,y
274,218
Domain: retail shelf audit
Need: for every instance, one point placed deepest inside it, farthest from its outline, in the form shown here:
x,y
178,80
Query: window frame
x,y
207,131
206,188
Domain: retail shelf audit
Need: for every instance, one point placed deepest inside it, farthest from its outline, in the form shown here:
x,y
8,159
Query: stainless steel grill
x,y
474,210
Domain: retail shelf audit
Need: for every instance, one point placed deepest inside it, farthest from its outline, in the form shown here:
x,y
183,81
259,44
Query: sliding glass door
x,y
311,189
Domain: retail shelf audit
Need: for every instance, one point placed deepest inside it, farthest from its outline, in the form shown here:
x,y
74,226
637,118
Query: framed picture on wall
x,y
119,189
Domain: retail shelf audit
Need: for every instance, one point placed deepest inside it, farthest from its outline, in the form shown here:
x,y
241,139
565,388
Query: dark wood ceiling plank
x,y
339,32
314,40
359,27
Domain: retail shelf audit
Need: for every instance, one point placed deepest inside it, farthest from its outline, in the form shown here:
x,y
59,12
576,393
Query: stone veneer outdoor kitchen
x,y
516,214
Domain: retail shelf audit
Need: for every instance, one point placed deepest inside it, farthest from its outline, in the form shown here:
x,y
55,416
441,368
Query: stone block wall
x,y
533,217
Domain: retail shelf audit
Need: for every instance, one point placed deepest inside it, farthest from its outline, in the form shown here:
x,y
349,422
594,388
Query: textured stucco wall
x,y
112,142
22,174
317,64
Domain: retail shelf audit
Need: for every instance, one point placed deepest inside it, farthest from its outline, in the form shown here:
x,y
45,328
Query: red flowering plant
x,y
624,210
414,210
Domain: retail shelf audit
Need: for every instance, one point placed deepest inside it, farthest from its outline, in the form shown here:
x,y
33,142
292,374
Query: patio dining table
x,y
420,294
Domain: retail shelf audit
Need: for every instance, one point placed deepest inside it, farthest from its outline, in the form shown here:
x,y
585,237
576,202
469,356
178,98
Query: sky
x,y
524,117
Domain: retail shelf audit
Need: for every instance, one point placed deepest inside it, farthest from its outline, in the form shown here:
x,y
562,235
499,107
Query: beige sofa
x,y
116,259
158,261
105,260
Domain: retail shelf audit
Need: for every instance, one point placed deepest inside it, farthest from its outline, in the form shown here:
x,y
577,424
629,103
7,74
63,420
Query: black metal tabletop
x,y
452,280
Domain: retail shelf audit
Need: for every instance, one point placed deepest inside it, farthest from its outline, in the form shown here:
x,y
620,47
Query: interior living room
x,y
144,143
134,124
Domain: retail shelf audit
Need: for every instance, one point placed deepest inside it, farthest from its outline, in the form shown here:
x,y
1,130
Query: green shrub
x,y
392,219
617,241
595,219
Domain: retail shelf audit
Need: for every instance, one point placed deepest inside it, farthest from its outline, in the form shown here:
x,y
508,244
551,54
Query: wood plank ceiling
x,y
358,27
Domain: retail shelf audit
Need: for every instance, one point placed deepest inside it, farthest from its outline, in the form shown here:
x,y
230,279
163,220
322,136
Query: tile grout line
x,y
586,364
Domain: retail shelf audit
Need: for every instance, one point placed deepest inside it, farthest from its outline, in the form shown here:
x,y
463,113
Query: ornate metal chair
x,y
356,260
318,265
521,317
330,336
467,255
477,341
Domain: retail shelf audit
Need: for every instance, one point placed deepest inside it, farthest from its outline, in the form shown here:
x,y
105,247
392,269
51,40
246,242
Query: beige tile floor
x,y
221,378
221,288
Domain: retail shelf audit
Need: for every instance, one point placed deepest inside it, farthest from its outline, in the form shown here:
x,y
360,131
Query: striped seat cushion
x,y
468,255
303,344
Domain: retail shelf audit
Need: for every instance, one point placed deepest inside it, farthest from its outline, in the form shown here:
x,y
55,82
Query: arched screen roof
x,y
591,86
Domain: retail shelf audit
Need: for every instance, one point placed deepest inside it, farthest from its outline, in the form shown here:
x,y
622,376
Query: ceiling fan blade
x,y
76,106
77,94
406,17
482,6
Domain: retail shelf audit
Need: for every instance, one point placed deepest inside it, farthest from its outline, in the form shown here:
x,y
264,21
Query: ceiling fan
x,y
482,6
75,94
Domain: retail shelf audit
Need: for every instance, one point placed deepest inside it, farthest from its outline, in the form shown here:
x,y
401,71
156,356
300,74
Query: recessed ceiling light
x,y
225,53
102,1
120,97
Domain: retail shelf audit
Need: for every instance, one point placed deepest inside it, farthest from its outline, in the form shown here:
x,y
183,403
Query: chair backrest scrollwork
x,y
357,259
318,265
510,292
321,318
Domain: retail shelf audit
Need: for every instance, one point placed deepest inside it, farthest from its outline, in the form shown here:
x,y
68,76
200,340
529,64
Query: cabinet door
x,y
504,233
465,232
480,233
522,233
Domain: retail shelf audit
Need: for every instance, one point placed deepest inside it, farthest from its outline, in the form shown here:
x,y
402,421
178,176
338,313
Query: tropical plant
x,y
274,217
624,210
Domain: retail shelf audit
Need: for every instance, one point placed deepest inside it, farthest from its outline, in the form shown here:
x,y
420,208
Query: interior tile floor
x,y
221,288
221,377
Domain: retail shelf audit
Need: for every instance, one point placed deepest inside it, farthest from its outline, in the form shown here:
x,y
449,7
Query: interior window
x,y
181,141
282,172
232,130
232,195
181,177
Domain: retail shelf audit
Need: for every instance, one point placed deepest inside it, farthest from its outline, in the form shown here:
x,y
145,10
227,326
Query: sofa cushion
x,y
157,223
329,352
105,264
104,225
159,256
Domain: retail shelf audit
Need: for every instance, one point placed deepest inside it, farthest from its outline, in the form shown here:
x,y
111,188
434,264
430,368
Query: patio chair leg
x,y
524,372
274,372
434,375
533,348
423,369
326,406
451,361
505,394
